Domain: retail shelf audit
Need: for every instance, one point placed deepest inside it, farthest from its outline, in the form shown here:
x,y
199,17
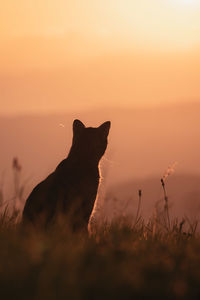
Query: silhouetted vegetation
x,y
118,262
122,259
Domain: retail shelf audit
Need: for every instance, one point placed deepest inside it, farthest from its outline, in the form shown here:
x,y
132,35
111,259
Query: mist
x,y
143,143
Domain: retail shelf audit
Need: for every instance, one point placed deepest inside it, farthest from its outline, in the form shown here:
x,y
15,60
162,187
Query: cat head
x,y
90,142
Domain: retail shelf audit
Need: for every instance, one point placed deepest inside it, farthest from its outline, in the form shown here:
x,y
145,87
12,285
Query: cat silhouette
x,y
70,191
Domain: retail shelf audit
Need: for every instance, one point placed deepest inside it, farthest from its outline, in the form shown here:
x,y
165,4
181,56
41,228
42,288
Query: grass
x,y
119,263
159,259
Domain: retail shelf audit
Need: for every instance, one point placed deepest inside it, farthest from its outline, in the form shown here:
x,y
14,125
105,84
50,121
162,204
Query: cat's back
x,y
37,198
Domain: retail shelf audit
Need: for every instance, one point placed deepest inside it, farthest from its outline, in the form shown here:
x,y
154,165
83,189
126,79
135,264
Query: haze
x,y
135,63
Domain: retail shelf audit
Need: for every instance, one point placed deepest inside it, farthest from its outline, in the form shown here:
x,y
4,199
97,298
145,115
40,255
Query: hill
x,y
142,143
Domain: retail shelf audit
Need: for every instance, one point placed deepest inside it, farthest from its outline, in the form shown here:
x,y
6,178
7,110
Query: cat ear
x,y
78,126
104,128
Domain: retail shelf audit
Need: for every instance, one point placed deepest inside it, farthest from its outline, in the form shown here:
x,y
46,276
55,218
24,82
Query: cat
x,y
71,189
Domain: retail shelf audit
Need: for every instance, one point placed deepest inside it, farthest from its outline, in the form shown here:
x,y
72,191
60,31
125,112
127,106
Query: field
x,y
118,262
123,259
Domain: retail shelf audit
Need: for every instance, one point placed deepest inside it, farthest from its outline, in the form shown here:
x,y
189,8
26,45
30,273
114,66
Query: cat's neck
x,y
75,156
79,165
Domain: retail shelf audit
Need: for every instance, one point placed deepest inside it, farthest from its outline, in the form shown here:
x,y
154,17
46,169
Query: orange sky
x,y
59,55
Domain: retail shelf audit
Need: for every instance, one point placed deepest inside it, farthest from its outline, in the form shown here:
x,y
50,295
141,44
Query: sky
x,y
98,60
70,55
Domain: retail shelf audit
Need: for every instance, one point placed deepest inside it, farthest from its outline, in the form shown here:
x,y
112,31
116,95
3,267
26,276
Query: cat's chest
x,y
82,185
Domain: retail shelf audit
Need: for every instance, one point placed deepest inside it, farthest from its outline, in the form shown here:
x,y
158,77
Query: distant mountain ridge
x,y
183,191
142,142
